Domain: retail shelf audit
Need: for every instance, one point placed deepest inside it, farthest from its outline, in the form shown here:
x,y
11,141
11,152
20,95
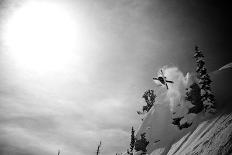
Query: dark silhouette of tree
x,y
141,144
149,98
176,121
193,95
185,125
207,96
132,143
199,94
98,148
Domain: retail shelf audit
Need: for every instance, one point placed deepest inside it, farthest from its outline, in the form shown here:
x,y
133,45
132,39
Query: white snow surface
x,y
211,137
157,126
206,136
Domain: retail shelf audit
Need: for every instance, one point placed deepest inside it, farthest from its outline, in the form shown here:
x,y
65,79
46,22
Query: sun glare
x,y
41,36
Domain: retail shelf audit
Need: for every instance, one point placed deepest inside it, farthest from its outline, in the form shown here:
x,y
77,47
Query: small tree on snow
x,y
149,98
207,96
141,144
132,143
193,95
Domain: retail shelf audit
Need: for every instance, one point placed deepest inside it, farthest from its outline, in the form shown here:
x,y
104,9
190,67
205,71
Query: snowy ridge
x,y
212,137
184,119
207,135
174,127
161,133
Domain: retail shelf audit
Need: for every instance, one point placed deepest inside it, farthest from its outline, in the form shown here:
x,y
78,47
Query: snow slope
x,y
212,137
160,132
207,134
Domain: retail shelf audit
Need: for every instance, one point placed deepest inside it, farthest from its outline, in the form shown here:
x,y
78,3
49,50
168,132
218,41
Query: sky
x,y
73,71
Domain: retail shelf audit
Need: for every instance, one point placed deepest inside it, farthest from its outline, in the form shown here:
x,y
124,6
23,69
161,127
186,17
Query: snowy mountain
x,y
176,126
211,137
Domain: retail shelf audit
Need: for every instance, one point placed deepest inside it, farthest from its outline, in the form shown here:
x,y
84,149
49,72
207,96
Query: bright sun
x,y
41,36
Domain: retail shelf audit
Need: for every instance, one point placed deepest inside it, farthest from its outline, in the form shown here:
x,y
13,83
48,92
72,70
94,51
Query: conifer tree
x,y
149,98
141,144
132,143
207,96
193,95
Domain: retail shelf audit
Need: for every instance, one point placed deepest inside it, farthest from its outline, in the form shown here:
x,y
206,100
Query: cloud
x,y
36,122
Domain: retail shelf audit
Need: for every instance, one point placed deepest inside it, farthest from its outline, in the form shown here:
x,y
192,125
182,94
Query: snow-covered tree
x,y
149,98
207,97
199,93
177,121
141,144
132,143
193,95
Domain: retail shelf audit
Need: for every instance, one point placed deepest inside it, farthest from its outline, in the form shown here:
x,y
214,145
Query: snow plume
x,y
158,124
176,92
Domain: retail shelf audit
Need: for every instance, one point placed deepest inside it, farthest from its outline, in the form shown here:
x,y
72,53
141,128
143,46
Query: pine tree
x,y
207,96
141,144
193,95
132,143
149,98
